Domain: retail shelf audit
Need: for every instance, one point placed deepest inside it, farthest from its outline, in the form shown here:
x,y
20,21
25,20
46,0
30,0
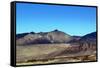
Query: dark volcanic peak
x,y
56,30
59,32
32,32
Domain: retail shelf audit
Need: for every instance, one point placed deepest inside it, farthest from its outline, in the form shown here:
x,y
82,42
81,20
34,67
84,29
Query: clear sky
x,y
73,20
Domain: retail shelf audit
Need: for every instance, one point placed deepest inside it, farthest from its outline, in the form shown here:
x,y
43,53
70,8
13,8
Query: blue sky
x,y
73,20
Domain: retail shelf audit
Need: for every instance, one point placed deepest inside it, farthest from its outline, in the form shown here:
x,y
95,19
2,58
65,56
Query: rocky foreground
x,y
53,53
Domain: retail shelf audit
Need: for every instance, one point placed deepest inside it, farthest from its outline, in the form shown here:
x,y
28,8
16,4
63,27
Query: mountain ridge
x,y
55,36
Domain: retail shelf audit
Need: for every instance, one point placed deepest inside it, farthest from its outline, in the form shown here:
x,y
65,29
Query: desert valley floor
x,y
52,53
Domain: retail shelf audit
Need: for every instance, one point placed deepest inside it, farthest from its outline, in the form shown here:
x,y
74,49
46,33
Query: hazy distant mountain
x,y
55,36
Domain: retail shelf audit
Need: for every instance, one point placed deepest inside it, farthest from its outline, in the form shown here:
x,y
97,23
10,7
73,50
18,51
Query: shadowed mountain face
x,y
89,37
88,41
75,39
55,36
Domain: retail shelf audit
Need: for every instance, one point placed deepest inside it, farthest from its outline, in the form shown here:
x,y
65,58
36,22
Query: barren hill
x,y
55,36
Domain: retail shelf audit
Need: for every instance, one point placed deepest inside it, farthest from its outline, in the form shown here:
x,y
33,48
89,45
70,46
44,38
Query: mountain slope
x,y
89,37
55,36
88,41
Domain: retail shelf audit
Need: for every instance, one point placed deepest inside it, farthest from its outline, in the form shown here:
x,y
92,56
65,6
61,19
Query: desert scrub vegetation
x,y
60,59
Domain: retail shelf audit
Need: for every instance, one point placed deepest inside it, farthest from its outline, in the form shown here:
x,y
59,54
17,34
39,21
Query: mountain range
x,y
55,36
46,47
